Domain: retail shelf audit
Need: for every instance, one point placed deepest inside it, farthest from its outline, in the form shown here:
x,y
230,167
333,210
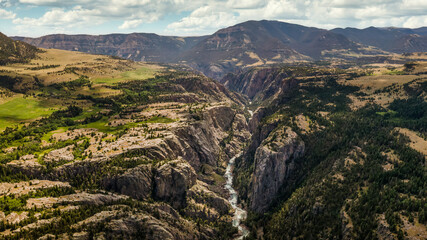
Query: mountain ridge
x,y
247,44
397,40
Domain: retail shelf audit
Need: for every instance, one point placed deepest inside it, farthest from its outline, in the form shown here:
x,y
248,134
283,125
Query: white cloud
x,y
58,17
415,4
246,4
131,24
39,2
202,20
414,22
319,13
4,14
206,16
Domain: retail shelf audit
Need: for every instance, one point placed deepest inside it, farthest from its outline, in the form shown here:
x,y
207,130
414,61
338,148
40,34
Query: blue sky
x,y
196,17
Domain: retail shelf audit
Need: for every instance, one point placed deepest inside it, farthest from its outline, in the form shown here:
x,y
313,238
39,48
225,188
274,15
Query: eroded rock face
x,y
201,141
260,84
62,154
172,181
383,229
91,199
148,227
202,195
347,226
136,182
29,167
274,163
15,218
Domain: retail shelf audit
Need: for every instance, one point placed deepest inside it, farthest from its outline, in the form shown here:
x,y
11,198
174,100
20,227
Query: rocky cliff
x,y
260,84
274,163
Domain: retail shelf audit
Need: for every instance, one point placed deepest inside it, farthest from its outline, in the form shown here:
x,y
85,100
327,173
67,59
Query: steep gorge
x,y
148,164
316,167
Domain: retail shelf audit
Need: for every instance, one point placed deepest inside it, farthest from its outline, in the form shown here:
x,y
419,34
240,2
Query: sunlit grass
x,y
47,136
139,74
20,109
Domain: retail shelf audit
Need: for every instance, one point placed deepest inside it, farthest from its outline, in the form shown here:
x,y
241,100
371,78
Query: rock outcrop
x,y
144,225
274,163
60,155
136,182
260,84
172,181
202,195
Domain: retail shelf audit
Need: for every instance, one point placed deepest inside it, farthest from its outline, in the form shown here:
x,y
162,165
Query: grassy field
x,y
139,74
58,66
380,81
102,124
19,109
55,66
47,136
159,120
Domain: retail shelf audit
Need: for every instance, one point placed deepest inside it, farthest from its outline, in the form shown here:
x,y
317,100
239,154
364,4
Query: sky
x,y
34,18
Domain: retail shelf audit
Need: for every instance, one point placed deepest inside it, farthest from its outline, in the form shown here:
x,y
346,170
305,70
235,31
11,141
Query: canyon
x,y
101,147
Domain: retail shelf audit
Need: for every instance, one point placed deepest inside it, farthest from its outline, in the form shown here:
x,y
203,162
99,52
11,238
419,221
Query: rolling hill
x,y
15,51
256,43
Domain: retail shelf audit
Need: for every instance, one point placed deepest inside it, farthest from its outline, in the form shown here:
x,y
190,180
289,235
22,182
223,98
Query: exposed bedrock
x,y
274,163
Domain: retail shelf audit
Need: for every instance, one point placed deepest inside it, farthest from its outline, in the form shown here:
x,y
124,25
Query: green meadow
x,y
139,74
20,109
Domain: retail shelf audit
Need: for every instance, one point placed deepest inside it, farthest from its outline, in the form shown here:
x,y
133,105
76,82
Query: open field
x,y
54,66
381,81
386,83
141,73
418,143
19,109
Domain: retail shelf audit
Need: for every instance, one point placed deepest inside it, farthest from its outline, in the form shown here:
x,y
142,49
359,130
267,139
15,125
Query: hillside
x,y
135,46
397,40
256,43
15,51
244,45
248,44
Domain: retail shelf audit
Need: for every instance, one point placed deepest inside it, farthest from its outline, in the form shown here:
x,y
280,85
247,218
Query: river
x,y
239,214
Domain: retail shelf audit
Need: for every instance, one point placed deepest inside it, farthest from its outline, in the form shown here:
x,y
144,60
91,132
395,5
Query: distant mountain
x,y
12,51
134,46
255,43
420,31
252,43
398,40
